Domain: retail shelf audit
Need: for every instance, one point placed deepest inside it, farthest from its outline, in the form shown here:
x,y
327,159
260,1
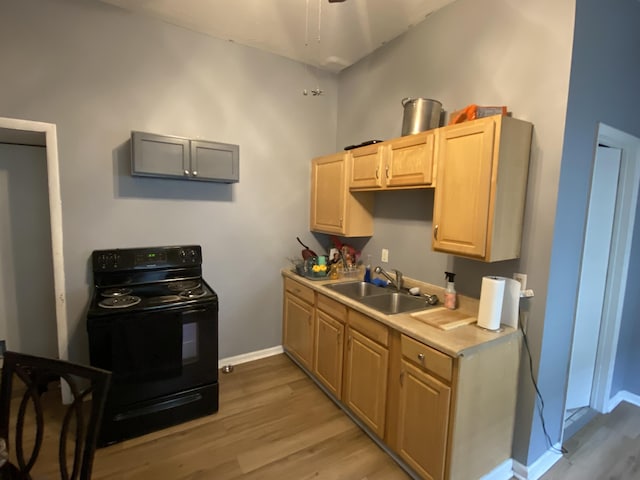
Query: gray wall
x,y
605,74
494,52
26,268
98,73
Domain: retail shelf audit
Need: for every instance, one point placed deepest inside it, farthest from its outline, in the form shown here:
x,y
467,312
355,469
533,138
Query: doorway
x,y
26,132
27,301
602,284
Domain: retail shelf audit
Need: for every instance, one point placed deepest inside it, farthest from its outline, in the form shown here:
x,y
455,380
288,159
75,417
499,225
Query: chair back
x,y
73,428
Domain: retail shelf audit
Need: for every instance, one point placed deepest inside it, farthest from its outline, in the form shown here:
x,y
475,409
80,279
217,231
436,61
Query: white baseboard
x,y
623,396
504,471
249,357
539,467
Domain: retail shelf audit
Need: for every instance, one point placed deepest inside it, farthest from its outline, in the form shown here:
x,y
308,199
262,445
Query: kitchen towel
x,y
499,303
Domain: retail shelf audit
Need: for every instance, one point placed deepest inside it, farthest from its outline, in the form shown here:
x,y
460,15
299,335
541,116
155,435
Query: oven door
x,y
152,354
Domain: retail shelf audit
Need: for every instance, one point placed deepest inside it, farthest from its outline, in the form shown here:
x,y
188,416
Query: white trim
x,y
624,396
538,468
504,471
618,269
55,213
251,356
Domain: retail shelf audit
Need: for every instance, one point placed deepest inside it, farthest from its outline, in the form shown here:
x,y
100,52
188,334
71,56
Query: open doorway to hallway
x,y
603,278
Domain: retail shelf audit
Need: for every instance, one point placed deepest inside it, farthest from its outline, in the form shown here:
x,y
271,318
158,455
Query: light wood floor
x,y
607,448
274,423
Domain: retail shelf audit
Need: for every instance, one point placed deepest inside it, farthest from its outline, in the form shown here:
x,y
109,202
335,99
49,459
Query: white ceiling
x,y
330,36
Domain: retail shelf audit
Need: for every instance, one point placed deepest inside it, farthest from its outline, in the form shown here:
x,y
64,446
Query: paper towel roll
x,y
499,302
490,308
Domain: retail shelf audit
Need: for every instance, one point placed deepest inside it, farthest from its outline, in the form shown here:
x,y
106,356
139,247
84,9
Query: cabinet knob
x,y
386,171
377,176
435,232
195,173
421,357
186,172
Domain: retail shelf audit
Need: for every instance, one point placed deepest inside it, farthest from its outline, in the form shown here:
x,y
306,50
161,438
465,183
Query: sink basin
x,y
358,290
391,303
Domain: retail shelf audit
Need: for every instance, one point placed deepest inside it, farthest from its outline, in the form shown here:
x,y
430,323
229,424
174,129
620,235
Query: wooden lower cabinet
x,y
365,382
298,320
423,421
329,352
445,417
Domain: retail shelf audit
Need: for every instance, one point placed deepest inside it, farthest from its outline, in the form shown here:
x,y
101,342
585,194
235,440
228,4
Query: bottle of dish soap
x,y
367,270
450,291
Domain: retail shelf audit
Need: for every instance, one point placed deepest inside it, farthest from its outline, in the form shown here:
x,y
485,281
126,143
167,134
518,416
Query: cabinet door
x,y
462,199
365,391
215,161
333,208
159,155
423,421
328,193
328,352
410,160
298,329
366,167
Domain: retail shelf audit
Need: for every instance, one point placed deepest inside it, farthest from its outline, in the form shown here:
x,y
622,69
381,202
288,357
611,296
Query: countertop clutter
x,y
454,341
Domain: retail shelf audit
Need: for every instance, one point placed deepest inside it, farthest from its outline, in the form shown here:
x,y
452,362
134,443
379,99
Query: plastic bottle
x,y
450,291
367,270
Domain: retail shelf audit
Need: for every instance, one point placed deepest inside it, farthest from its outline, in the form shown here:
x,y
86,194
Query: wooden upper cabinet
x,y
405,162
481,188
410,160
335,210
366,167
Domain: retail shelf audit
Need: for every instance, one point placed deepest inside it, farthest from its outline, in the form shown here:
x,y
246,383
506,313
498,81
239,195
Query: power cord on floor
x,y
540,402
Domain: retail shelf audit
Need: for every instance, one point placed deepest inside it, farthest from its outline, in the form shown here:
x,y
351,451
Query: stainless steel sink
x,y
380,298
357,290
391,303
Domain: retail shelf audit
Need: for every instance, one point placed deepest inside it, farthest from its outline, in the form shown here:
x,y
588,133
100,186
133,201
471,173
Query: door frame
x,y
619,262
14,130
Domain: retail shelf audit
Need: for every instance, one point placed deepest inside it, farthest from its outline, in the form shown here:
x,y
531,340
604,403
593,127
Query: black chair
x,y
25,379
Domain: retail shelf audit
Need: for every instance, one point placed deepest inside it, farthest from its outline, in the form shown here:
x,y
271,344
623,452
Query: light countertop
x,y
459,341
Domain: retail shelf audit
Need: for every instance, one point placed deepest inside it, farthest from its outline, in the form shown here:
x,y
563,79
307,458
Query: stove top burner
x,y
122,301
116,292
183,285
193,293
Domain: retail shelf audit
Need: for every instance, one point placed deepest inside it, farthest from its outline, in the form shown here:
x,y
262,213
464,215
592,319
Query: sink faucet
x,y
398,280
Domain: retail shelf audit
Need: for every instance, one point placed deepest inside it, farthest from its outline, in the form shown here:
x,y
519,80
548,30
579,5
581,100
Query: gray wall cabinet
x,y
154,155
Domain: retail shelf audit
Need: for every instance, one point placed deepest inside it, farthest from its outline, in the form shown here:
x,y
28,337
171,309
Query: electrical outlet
x,y
385,255
522,278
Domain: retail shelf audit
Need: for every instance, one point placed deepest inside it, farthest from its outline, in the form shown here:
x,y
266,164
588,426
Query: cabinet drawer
x,y
333,308
301,291
371,328
427,357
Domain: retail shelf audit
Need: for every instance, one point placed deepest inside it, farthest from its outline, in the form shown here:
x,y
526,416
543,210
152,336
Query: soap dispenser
x,y
367,270
450,291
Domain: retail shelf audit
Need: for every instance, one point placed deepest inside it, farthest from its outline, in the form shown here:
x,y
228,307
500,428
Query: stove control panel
x,y
146,258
